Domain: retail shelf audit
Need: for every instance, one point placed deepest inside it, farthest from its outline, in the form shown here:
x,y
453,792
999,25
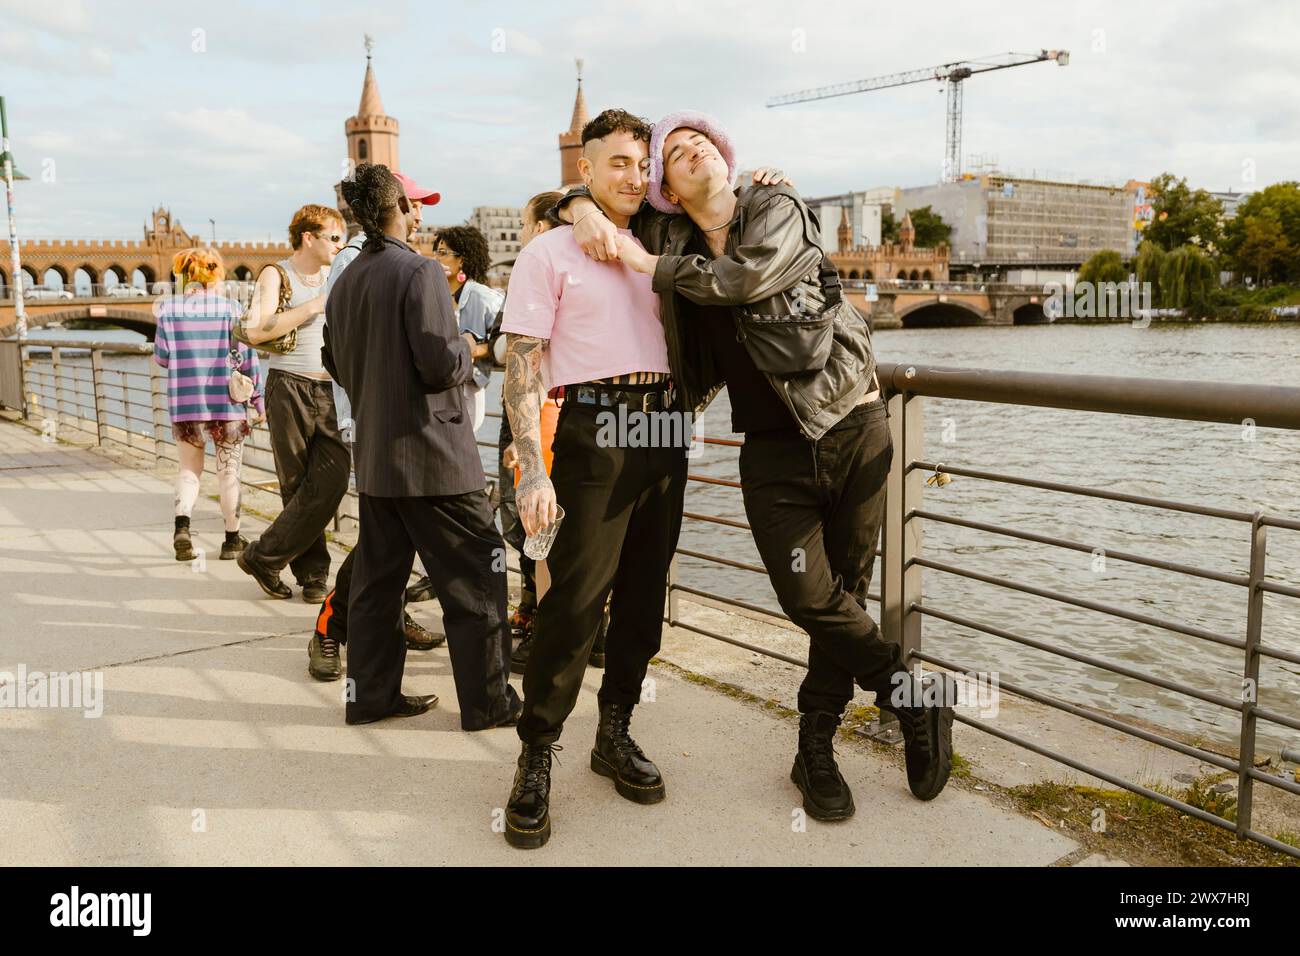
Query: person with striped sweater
x,y
194,344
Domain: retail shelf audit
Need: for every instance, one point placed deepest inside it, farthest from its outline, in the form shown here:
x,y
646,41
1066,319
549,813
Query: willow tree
x,y
1186,278
1150,259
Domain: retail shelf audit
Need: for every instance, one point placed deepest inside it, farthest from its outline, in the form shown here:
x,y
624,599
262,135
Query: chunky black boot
x,y
617,756
825,794
528,817
924,712
181,540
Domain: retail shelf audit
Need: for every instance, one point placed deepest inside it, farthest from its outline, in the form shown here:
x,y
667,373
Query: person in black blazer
x,y
393,344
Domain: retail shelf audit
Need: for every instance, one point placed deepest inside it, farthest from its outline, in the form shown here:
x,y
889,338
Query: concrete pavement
x,y
216,747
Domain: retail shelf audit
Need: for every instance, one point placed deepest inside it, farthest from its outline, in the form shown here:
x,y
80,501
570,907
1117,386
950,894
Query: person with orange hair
x,y
194,343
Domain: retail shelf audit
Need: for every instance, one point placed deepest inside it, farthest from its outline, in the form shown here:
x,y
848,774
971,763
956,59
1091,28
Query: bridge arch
x,y
59,276
935,314
242,273
85,277
113,275
868,275
29,278
853,274
136,320
4,283
1029,313
143,275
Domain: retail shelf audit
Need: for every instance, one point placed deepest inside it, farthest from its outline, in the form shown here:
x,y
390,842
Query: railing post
x,y
672,592
97,382
56,360
158,401
1250,676
901,584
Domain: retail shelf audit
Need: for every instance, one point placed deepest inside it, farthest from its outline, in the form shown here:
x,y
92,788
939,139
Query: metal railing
x,y
55,389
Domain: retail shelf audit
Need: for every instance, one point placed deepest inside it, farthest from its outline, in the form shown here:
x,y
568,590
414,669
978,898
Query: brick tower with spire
x,y
372,134
571,141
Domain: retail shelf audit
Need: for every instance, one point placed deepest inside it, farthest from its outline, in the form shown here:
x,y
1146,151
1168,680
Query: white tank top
x,y
305,358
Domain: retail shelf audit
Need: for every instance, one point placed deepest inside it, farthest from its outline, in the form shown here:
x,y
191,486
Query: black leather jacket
x,y
772,247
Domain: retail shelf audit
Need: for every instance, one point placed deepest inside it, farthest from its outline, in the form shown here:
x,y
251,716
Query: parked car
x,y
124,291
40,292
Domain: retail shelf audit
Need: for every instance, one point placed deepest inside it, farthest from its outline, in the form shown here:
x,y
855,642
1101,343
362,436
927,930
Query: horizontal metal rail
x,y
1206,697
1268,406
1238,579
1086,492
1084,603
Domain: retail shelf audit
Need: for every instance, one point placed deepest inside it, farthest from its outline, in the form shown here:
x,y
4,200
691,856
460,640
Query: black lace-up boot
x,y
617,756
825,794
528,818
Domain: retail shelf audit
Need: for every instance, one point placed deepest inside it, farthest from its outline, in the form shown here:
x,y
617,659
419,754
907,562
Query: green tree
x,y
1106,265
931,230
1183,215
1260,218
1187,277
1264,252
888,227
1150,258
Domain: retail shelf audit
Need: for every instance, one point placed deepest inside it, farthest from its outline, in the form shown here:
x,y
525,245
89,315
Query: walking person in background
x,y
324,661
194,344
311,460
463,253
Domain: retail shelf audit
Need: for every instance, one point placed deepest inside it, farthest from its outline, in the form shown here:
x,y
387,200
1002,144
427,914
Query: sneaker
x,y
924,712
419,637
313,592
826,796
528,817
617,756
421,590
323,659
233,549
268,580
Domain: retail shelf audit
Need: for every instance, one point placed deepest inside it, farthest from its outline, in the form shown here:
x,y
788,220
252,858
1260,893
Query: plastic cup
x,y
538,546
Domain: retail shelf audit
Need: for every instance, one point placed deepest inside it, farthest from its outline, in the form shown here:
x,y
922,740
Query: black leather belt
x,y
653,400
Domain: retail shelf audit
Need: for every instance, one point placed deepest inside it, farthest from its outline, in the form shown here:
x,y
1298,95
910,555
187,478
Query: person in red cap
x,y
324,661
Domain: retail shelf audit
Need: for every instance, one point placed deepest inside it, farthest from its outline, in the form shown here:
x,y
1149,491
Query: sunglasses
x,y
332,236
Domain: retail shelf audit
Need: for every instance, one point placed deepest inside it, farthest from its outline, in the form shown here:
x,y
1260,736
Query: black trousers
x,y
465,557
816,509
333,616
622,515
311,463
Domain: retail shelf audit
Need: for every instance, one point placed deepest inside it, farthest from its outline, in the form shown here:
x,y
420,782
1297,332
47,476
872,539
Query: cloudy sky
x,y
234,110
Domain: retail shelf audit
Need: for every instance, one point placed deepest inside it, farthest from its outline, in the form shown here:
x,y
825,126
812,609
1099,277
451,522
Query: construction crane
x,y
951,73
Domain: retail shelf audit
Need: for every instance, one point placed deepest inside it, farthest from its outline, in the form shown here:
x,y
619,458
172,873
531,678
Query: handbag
x,y
240,385
285,343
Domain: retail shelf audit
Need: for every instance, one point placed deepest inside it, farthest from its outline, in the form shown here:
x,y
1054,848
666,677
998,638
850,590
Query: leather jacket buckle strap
x,y
645,401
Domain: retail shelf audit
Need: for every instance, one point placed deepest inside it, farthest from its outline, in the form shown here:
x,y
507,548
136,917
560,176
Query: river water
x,y
1224,466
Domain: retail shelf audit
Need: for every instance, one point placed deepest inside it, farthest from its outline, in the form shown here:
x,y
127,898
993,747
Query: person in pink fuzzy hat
x,y
749,299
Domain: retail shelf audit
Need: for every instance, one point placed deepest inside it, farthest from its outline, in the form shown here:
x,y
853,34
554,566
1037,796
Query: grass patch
x,y
1144,831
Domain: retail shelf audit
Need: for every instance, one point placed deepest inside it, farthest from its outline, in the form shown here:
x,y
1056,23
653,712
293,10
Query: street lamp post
x,y
15,264
214,231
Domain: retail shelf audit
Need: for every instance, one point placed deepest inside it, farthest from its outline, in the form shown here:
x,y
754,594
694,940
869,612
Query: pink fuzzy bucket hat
x,y
703,122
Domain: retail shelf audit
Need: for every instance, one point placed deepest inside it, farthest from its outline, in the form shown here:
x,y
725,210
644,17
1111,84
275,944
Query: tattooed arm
x,y
524,394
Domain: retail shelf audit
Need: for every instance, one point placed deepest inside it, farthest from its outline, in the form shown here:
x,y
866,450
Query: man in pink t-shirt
x,y
619,475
